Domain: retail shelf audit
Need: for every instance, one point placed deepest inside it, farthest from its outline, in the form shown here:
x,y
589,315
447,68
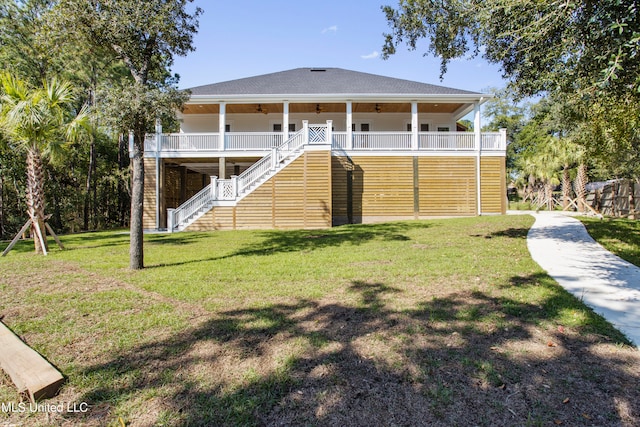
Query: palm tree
x,y
39,122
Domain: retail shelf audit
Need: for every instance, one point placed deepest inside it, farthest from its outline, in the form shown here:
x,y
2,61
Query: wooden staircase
x,y
228,192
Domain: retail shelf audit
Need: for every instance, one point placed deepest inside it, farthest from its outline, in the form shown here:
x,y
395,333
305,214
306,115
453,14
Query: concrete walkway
x,y
608,284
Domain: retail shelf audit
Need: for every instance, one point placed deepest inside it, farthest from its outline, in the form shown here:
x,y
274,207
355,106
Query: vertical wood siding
x,y
297,197
447,186
149,208
493,185
318,191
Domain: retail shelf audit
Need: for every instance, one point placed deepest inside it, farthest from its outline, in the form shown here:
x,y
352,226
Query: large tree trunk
x,y
136,250
124,187
1,206
548,194
89,183
35,198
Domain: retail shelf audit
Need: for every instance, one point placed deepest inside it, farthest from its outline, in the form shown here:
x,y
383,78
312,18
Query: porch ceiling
x,y
210,167
324,107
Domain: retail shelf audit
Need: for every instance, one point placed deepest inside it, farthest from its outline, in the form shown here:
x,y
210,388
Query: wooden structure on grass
x,y
28,370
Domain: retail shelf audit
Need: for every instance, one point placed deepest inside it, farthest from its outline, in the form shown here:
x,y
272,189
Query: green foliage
x,y
583,54
26,48
540,45
145,36
41,119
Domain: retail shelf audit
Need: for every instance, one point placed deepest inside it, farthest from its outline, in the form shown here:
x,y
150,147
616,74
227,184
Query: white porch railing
x,y
340,140
494,141
176,142
252,140
361,141
446,141
381,140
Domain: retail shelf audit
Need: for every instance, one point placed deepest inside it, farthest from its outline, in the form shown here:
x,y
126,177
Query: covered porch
x,y
252,129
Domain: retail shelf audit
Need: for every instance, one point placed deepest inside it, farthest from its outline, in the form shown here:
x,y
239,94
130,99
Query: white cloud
x,y
372,55
331,29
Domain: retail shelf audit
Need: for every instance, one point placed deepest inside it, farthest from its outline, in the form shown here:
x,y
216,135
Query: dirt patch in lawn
x,y
363,355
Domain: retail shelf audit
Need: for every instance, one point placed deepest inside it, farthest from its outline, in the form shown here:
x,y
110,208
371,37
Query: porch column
x,y
349,145
414,125
285,120
478,145
222,121
222,166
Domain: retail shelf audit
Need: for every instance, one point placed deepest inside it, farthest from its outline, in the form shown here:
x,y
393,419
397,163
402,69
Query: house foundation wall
x,y
376,188
319,190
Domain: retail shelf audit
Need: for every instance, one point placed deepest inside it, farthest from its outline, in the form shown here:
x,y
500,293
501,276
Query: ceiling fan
x,y
259,109
318,109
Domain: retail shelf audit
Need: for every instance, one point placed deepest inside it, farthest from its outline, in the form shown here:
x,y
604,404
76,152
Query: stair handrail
x,y
247,178
191,206
264,165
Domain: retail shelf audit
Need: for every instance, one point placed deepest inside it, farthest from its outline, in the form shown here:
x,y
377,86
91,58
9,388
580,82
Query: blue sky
x,y
242,38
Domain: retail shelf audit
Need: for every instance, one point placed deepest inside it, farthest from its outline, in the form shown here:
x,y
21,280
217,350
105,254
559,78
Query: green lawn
x,y
620,236
396,323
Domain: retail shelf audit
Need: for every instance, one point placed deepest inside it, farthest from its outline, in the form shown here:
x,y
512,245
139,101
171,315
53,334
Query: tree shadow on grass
x,y
277,241
467,358
514,233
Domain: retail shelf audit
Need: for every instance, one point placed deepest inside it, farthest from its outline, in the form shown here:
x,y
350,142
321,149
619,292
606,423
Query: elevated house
x,y
316,147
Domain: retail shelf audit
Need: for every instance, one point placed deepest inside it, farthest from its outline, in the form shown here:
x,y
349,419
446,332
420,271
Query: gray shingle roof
x,y
301,81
